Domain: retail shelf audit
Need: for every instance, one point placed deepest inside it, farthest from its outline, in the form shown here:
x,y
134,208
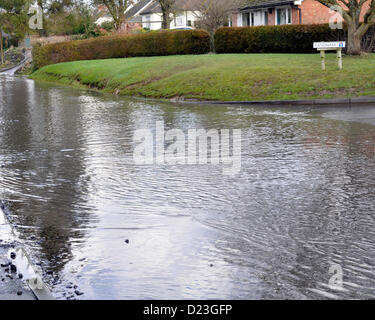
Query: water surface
x,y
302,202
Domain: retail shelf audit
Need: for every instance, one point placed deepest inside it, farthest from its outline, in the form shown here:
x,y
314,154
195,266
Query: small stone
x,y
20,276
211,265
127,241
13,255
75,286
49,272
19,293
78,293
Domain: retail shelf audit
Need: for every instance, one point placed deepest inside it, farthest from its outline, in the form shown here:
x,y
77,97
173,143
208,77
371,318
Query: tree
x,y
13,19
167,7
213,14
351,10
59,6
116,9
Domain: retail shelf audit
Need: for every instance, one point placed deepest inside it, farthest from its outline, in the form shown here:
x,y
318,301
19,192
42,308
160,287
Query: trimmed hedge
x,y
274,39
159,43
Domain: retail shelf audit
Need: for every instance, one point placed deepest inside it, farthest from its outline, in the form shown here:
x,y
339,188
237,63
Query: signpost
x,y
326,46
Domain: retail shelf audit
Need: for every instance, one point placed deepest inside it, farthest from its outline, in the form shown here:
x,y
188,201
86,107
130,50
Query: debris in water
x,y
78,293
13,268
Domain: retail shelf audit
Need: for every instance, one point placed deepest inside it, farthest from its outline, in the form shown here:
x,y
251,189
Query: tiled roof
x,y
155,7
137,8
265,3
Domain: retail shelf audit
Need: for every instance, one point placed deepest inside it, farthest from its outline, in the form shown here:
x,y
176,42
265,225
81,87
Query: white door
x,y
258,21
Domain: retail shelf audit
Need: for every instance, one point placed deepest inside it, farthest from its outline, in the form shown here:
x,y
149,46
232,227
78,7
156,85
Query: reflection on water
x,y
302,202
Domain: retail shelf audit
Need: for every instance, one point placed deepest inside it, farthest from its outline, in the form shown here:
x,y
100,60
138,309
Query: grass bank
x,y
224,77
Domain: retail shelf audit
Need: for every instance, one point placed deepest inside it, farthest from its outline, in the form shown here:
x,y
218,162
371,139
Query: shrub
x,y
108,25
274,39
159,43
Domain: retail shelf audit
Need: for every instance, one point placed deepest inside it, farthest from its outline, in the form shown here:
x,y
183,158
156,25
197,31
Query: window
x,y
252,18
189,23
283,16
266,18
147,25
246,19
180,20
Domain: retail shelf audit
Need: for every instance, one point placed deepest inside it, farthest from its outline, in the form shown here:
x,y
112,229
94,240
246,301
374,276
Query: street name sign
x,y
326,46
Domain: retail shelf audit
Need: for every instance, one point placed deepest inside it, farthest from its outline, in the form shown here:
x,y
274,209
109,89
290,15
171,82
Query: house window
x,y
246,19
266,18
180,20
283,16
147,25
189,23
252,18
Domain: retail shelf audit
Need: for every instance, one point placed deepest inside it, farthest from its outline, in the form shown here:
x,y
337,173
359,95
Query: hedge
x,y
160,43
274,39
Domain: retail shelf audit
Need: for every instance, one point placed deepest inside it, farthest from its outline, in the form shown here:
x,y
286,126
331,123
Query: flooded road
x,y
300,210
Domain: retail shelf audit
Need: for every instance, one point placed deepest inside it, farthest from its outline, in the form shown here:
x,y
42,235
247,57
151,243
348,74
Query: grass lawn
x,y
222,77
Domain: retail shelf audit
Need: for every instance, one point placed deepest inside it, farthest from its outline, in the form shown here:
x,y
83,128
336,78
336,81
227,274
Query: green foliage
x,y
77,22
108,25
160,43
13,18
274,39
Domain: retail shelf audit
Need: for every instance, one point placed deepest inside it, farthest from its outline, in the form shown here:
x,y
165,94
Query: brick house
x,y
279,12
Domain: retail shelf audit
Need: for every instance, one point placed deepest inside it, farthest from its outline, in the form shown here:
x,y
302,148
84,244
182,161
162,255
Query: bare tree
x,y
167,7
116,9
213,14
351,10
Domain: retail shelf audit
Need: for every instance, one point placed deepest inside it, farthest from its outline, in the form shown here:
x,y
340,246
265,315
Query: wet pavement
x,y
12,283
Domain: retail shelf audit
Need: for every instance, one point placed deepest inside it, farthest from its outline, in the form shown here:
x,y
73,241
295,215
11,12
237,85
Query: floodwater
x,y
299,214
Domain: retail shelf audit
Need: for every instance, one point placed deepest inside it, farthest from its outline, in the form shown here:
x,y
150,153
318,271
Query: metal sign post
x,y
326,46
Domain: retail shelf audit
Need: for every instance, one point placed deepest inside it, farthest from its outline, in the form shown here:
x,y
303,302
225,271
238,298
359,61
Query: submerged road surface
x,y
296,222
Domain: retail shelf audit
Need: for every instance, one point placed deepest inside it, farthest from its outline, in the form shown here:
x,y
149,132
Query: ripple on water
x,y
301,203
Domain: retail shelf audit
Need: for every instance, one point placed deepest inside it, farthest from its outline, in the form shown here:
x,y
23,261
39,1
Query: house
x,y
279,12
132,14
147,14
184,16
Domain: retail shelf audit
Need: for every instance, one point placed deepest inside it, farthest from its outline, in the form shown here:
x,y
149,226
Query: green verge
x,y
224,77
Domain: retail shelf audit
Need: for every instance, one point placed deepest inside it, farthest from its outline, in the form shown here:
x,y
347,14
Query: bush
x,y
159,43
108,25
274,39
